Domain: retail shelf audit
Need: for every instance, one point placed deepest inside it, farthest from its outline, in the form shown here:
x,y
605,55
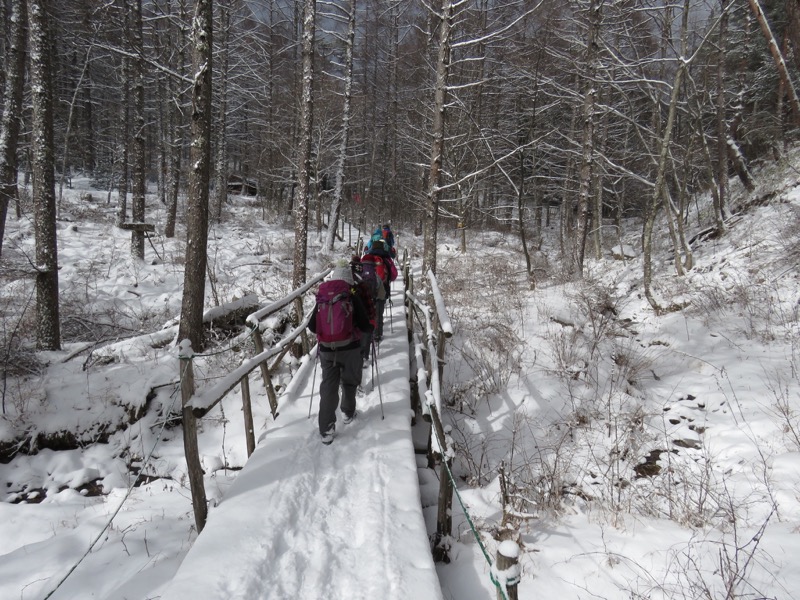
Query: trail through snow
x,y
305,520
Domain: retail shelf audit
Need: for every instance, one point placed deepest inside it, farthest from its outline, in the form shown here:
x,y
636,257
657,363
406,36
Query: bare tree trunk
x,y
176,126
48,329
681,212
394,150
739,164
336,204
437,147
521,219
601,137
306,131
124,126
12,110
194,281
199,176
673,232
587,157
711,172
65,162
780,64
139,174
5,44
658,190
720,198
221,169
566,222
163,143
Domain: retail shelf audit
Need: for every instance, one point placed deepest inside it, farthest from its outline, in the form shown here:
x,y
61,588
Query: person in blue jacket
x,y
384,233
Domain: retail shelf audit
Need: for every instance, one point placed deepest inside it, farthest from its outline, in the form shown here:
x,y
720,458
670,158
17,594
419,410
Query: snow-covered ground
x,y
647,456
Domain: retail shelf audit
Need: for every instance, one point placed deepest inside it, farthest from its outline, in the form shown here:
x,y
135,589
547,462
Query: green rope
x,y
469,520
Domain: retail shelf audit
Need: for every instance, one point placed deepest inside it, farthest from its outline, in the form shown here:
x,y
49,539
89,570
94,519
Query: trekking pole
x,y
377,376
391,318
313,381
372,366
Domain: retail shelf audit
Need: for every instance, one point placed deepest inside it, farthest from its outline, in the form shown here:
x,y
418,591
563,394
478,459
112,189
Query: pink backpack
x,y
335,326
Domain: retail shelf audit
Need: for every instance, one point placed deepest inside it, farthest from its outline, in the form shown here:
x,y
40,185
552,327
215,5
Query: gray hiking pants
x,y
366,345
379,307
338,366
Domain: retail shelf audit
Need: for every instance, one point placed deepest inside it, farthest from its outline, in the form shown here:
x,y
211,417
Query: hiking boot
x,y
327,438
349,418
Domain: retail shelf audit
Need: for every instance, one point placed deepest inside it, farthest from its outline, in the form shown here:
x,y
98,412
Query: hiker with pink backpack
x,y
339,318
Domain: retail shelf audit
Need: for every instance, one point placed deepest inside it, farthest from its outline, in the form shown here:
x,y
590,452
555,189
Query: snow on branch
x,y
254,318
441,309
204,401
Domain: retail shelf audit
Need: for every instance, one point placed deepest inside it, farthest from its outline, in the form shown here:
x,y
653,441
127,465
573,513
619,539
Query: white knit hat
x,y
342,271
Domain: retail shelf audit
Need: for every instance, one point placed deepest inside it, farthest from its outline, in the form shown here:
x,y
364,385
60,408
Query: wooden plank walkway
x,y
304,520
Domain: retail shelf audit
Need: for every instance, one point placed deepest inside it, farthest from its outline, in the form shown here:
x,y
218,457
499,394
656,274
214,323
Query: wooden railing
x,y
428,330
426,394
196,404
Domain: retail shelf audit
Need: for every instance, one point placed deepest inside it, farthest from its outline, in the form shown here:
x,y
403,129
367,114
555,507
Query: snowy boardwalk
x,y
304,520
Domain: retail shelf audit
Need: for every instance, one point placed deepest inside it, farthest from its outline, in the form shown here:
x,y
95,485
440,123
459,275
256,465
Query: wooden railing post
x,y
507,570
298,308
440,352
444,519
265,374
409,284
247,411
193,466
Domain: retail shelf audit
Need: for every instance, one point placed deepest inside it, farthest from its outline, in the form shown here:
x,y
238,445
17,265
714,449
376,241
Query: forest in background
x,y
458,114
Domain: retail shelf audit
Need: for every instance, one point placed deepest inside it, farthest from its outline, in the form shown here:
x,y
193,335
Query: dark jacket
x,y
364,293
360,320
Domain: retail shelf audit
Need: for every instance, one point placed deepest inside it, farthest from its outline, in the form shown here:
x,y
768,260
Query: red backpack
x,y
375,273
335,326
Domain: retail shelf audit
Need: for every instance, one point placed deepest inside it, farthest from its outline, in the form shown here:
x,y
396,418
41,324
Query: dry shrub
x,y
789,237
753,299
493,354
484,298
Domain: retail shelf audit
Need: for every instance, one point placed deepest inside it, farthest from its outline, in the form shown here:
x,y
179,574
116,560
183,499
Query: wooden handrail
x,y
197,404
429,354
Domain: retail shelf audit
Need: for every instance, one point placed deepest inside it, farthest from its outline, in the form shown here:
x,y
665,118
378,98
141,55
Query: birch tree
x,y
48,333
341,159
301,204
